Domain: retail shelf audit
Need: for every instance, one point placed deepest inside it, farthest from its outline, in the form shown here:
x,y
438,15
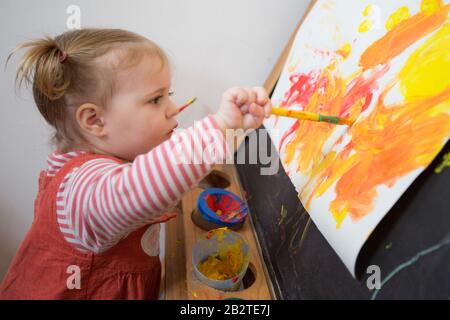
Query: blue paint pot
x,y
222,208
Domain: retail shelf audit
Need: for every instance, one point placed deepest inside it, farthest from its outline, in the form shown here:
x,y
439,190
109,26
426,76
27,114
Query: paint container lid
x,y
221,207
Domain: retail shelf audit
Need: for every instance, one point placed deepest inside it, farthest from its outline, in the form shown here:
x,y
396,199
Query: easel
x,y
410,245
181,233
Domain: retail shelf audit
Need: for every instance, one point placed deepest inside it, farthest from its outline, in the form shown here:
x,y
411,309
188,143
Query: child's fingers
x,y
246,109
268,108
261,95
254,117
237,95
262,98
256,111
251,96
256,114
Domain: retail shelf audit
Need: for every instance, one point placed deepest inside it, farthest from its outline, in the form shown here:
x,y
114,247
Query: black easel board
x,y
411,245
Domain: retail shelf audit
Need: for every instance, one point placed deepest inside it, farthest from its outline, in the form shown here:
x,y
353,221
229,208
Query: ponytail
x,y
42,67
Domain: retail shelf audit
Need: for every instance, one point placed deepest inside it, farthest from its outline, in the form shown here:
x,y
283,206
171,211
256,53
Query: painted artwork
x,y
386,65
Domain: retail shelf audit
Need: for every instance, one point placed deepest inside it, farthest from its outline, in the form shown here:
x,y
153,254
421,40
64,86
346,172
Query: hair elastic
x,y
62,56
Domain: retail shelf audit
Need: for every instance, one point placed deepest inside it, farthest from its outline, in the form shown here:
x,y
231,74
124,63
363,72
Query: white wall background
x,y
213,44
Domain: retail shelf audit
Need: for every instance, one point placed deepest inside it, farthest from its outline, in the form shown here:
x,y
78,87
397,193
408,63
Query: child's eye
x,y
158,98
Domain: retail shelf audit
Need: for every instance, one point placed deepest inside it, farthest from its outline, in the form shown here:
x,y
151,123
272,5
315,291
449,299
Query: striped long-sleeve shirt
x,y
102,201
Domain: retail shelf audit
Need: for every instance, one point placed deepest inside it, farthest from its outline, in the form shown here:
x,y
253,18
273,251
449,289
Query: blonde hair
x,y
66,71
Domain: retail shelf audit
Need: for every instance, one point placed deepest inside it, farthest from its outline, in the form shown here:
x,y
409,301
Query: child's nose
x,y
172,110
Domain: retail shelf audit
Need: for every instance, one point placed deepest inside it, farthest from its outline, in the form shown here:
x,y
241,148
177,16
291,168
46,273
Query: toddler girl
x,y
118,166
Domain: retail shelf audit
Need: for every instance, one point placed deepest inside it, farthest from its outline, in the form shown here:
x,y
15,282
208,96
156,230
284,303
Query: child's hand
x,y
243,108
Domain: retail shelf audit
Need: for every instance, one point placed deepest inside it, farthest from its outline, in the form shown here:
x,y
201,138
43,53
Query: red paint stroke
x,y
302,88
287,134
359,88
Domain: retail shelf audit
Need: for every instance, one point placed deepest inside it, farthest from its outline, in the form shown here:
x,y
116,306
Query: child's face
x,y
141,113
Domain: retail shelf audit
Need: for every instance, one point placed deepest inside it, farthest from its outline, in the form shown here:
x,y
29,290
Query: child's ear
x,y
89,117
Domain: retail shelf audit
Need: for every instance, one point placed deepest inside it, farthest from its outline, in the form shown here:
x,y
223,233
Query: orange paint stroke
x,y
402,36
393,140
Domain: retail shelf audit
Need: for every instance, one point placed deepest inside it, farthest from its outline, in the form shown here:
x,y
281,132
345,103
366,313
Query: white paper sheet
x,y
385,64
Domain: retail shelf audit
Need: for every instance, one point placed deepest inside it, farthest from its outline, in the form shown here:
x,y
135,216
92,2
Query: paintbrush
x,y
187,104
304,115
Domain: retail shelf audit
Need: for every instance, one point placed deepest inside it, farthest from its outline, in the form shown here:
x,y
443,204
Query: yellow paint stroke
x,y
402,36
398,16
367,10
427,71
393,140
445,163
345,50
430,6
365,25
283,214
